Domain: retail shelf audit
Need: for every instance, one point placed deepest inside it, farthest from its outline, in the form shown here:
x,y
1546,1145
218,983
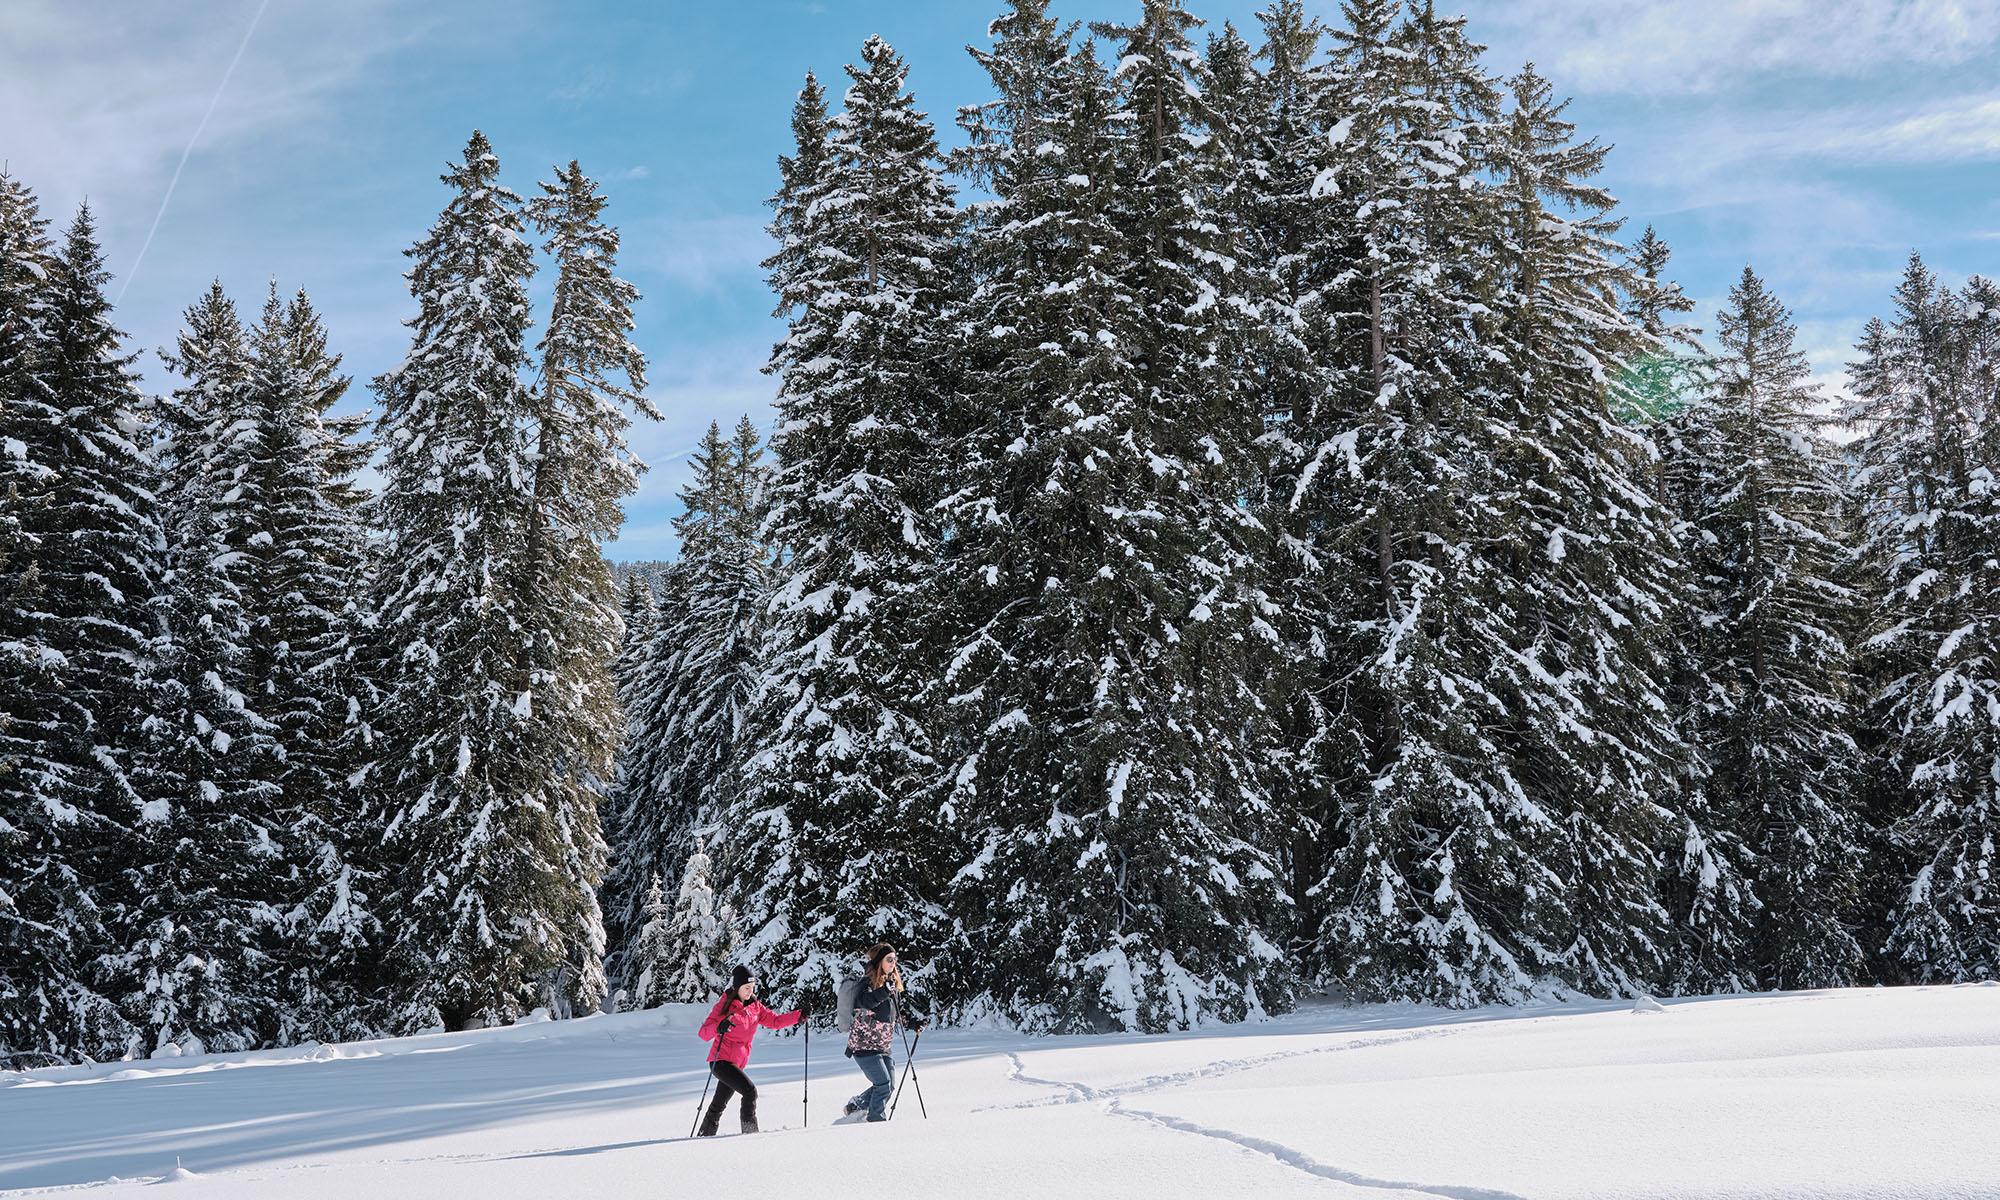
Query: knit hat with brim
x,y
739,977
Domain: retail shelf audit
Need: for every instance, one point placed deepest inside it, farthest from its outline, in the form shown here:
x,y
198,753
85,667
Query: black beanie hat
x,y
738,977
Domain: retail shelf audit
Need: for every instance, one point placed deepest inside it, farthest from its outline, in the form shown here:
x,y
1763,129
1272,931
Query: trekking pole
x,y
700,1102
806,1119
909,1064
917,1080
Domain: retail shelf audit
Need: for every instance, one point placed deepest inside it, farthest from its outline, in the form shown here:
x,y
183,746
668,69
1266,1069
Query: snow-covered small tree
x,y
682,948
652,959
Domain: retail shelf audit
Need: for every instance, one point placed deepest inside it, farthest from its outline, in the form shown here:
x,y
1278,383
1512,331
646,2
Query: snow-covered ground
x,y
1877,1094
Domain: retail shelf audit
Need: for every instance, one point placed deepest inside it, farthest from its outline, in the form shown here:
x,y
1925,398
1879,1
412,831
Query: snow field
x,y
1883,1094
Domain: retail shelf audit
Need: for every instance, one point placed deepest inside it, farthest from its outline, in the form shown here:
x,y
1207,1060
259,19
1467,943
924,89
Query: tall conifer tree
x,y
1095,580
198,964
833,851
1587,551
486,887
1928,464
301,563
1431,863
1768,561
81,476
57,844
592,377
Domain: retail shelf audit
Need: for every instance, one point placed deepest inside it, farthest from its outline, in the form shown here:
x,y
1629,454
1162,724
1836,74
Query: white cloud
x,y
1743,148
1962,129
102,98
1694,46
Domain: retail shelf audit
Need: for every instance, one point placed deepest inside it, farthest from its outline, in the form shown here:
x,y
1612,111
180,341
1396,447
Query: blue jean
x,y
881,1072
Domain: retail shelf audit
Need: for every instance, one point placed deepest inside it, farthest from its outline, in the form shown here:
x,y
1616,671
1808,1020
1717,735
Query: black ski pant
x,y
729,1079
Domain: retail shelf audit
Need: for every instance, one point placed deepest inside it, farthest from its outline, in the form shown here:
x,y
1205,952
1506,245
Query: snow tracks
x,y
1111,1101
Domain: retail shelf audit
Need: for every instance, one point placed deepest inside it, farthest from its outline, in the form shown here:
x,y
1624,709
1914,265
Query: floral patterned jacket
x,y
877,1013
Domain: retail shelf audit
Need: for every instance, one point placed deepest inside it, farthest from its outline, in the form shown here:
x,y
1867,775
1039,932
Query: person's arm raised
x,y
771,1020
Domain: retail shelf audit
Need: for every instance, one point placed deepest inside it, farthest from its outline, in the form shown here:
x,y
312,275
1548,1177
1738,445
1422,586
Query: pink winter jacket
x,y
734,1046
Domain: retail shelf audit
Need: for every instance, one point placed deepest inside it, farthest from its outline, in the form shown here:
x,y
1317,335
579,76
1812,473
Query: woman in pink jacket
x,y
732,1025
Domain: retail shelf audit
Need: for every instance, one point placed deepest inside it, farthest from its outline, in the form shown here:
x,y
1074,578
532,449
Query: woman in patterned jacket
x,y
872,1005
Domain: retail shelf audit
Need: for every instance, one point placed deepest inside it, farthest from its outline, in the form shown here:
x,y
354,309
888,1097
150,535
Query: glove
x,y
916,1026
722,1030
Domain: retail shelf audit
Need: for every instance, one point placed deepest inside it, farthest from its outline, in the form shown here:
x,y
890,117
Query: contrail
x,y
175,181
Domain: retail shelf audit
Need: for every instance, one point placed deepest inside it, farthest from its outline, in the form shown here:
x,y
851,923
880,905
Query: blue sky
x,y
1820,140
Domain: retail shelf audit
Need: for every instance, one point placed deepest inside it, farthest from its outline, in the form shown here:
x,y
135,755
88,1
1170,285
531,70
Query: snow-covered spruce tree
x,y
750,478
834,831
634,827
652,960
681,949
1588,567
1202,322
46,1012
638,613
591,377
197,971
78,478
638,616
1763,539
1265,119
300,560
1705,881
1929,476
25,668
1094,581
477,818
1660,383
54,841
721,630
1432,871
682,769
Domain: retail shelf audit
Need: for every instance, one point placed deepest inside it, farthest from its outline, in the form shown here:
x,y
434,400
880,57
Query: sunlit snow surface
x,y
1878,1094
